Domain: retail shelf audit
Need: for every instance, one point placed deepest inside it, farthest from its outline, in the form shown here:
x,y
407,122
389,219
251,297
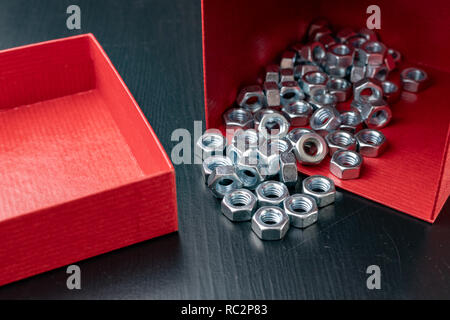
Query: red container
x,y
81,170
241,37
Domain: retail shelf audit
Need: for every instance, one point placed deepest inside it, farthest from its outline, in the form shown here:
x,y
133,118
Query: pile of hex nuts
x,y
292,118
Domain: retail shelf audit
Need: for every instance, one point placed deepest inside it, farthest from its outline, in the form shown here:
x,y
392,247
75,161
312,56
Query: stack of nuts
x,y
292,118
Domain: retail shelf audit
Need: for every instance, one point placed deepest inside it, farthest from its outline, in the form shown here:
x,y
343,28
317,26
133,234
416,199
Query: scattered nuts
x,y
372,143
310,149
239,205
325,120
414,79
346,164
320,188
270,223
301,209
271,193
340,140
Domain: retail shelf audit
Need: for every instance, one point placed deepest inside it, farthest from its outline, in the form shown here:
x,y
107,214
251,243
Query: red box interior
x,y
81,170
241,37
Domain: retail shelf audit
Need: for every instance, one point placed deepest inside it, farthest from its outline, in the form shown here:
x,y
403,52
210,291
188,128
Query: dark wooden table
x,y
156,47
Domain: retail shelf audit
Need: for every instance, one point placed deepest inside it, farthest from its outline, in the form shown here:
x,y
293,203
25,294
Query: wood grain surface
x,y
156,47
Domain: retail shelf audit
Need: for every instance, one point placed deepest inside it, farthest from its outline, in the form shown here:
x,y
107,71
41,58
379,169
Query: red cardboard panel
x,y
81,170
241,37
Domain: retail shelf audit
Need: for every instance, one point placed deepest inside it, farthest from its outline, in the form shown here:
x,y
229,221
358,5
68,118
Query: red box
x,y
81,170
241,37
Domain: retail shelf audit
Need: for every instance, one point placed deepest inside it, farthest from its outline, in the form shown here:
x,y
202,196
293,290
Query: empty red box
x,y
81,170
241,37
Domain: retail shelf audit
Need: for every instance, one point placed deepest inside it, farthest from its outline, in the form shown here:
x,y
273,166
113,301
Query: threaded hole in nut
x,y
319,185
248,177
239,116
318,53
372,137
289,95
341,50
272,191
339,84
349,119
300,205
225,185
315,78
299,108
341,139
325,98
322,117
218,163
416,75
389,87
310,147
348,159
271,217
240,199
252,100
379,118
278,146
212,141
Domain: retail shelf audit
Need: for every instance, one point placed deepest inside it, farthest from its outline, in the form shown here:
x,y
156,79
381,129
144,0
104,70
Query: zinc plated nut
x,y
261,113
296,133
322,98
340,140
376,114
325,120
340,55
372,85
298,113
273,73
239,205
396,55
251,98
313,52
238,118
314,80
341,88
272,92
271,193
344,34
302,210
290,92
310,149
356,41
357,72
351,121
336,72
287,60
269,155
211,143
273,125
346,164
287,75
212,162
391,91
302,69
368,34
320,188
223,180
379,72
414,79
372,143
270,223
372,53
249,172
288,169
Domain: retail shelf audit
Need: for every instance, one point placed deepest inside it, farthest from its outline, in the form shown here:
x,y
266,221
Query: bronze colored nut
x,y
273,125
271,193
351,121
372,143
273,73
340,140
391,91
414,79
376,114
260,114
288,169
346,164
344,34
269,155
287,75
251,98
310,149
302,210
314,80
372,87
296,133
270,223
239,205
302,69
223,180
379,72
290,92
248,170
212,162
238,118
298,113
272,92
313,52
325,120
211,143
340,55
320,188
287,60
372,53
341,88
368,34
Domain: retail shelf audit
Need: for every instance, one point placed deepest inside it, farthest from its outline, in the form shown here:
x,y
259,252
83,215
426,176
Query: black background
x,y
156,47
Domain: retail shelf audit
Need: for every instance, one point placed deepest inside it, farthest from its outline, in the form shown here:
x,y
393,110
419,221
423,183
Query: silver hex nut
x,y
269,155
367,90
372,143
272,73
346,164
322,98
223,180
310,149
261,113
313,52
372,53
340,55
287,60
272,92
351,121
320,188
212,162
379,72
296,134
340,140
302,210
273,125
211,143
249,171
302,69
251,98
270,223
325,120
298,113
314,80
414,79
288,169
238,118
344,34
290,92
341,88
271,193
391,92
357,72
239,205
376,114
287,75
